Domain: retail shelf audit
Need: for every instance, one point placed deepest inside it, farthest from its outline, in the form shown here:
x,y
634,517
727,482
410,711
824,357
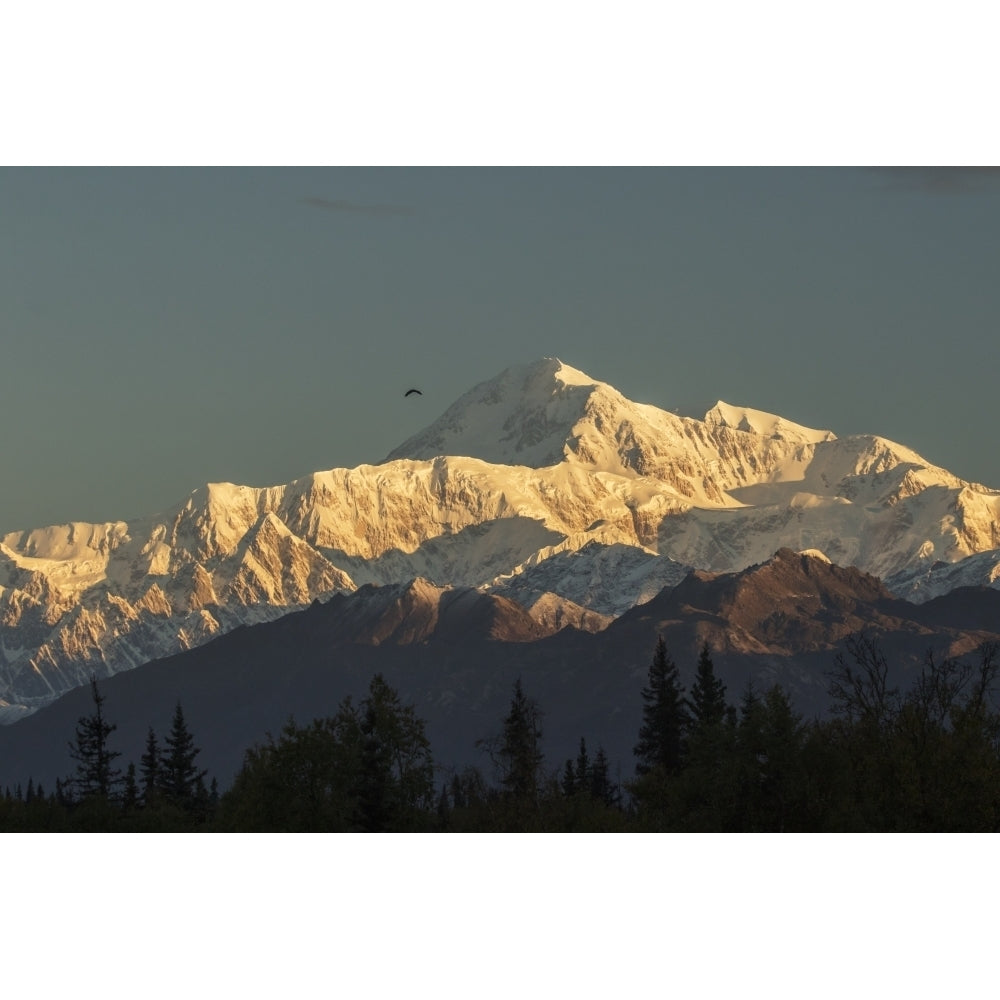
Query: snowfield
x,y
541,484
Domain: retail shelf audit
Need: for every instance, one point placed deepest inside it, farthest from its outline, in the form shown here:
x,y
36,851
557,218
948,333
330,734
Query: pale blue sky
x,y
161,328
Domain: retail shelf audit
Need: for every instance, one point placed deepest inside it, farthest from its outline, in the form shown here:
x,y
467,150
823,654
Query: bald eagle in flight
x,y
410,392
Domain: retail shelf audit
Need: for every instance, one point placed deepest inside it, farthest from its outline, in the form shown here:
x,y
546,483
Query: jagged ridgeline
x,y
542,485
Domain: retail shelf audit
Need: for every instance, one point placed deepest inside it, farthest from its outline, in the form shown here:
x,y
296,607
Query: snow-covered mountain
x,y
542,484
919,583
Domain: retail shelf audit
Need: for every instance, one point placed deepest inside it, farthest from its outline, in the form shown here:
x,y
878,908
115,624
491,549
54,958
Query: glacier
x,y
542,485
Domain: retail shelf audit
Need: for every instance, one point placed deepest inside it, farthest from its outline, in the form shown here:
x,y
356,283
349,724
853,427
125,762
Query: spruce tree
x,y
582,766
130,796
179,775
149,769
710,744
782,773
749,753
568,779
95,776
375,780
708,694
601,786
749,702
395,782
664,716
520,754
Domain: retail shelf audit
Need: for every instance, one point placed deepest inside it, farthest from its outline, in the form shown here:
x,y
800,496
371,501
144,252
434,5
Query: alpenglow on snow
x,y
542,484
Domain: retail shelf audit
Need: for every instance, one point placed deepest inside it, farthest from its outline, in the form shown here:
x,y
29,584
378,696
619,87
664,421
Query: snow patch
x,y
816,554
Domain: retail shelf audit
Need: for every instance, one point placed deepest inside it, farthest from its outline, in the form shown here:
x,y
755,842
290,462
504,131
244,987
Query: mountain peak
x,y
563,372
518,476
792,600
523,416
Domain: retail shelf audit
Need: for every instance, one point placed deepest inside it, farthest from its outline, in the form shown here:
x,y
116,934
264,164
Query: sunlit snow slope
x,y
537,483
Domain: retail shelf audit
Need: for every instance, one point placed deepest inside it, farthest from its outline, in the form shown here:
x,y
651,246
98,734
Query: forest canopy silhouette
x,y
927,759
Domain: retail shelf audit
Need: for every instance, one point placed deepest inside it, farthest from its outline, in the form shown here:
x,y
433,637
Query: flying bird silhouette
x,y
410,392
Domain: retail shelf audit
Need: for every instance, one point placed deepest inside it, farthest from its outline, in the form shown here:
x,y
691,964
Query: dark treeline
x,y
167,792
927,760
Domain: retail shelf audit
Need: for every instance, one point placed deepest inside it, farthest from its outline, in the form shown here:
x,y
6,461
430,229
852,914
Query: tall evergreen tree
x,y
568,779
583,766
374,786
95,773
782,779
708,694
149,768
749,702
771,786
749,752
130,796
180,776
520,752
710,784
664,716
395,786
602,787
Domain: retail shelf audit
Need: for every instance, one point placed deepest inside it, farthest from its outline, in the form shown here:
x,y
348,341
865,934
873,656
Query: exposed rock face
x,y
792,602
418,612
539,482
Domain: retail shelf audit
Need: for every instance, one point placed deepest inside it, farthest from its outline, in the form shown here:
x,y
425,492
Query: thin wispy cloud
x,y
941,180
355,208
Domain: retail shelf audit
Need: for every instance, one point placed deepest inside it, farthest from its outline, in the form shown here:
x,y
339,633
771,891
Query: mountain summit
x,y
548,413
526,415
542,481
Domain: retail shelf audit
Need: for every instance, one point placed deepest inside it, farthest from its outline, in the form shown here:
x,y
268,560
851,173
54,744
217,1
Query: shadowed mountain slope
x,y
455,654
